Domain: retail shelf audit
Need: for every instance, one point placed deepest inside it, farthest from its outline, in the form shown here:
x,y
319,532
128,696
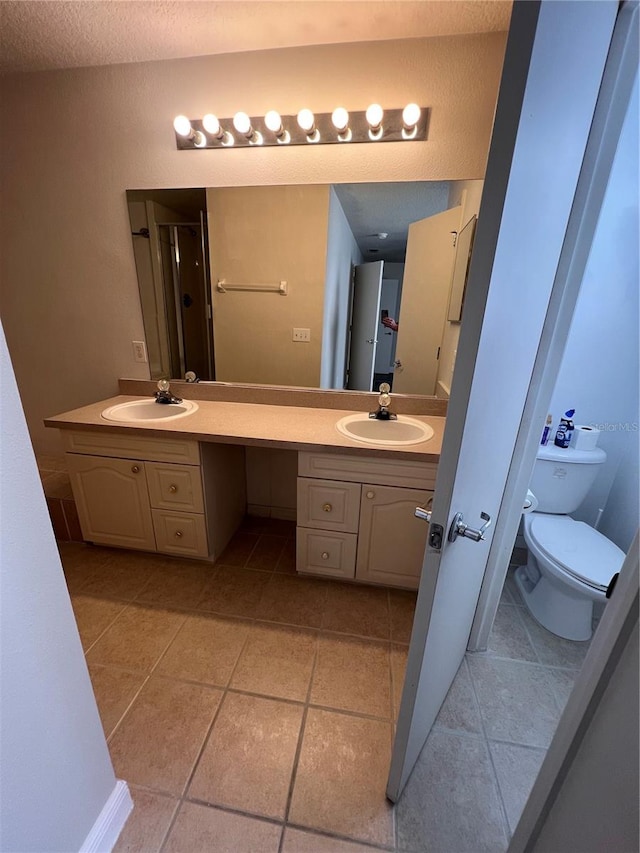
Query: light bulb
x,y
374,116
273,122
242,123
306,121
211,124
182,126
411,116
340,119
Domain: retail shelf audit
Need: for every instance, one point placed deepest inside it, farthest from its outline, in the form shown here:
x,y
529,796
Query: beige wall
x,y
265,235
76,140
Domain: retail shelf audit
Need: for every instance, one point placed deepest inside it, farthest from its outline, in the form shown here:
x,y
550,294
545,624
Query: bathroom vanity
x,y
179,487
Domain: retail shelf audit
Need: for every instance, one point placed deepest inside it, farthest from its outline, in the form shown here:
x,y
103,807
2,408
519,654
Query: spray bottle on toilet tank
x,y
565,429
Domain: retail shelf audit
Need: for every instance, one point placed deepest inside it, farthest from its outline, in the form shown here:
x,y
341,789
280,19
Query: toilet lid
x,y
579,549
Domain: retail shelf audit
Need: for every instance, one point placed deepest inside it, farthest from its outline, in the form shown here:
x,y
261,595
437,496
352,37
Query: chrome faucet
x,y
383,412
163,394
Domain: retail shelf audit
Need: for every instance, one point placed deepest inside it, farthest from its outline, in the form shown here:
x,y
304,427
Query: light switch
x,y
303,335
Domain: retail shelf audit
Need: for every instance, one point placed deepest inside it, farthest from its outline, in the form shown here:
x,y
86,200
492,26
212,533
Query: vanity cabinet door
x,y
391,540
112,501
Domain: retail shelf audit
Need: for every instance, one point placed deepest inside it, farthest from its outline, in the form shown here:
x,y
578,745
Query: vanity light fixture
x,y
242,131
242,124
410,119
212,126
307,122
273,122
340,120
182,127
374,116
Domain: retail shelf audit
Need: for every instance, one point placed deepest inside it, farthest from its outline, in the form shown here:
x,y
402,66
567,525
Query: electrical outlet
x,y
139,351
302,335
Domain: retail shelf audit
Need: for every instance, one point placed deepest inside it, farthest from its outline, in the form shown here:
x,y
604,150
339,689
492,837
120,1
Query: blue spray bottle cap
x,y
569,413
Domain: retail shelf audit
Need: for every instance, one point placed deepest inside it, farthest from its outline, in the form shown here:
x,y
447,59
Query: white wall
x,y
342,255
55,774
597,806
599,372
77,139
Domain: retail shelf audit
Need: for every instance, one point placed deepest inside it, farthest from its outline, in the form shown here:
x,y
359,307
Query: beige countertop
x,y
288,427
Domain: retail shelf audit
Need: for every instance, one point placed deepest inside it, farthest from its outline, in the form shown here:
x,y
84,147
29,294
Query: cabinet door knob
x,y
135,469
173,489
371,495
325,555
178,534
327,507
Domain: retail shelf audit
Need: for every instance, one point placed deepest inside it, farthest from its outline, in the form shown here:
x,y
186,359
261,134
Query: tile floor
x,y
253,710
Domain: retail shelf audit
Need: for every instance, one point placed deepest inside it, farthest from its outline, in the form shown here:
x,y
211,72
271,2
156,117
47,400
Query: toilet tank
x,y
562,477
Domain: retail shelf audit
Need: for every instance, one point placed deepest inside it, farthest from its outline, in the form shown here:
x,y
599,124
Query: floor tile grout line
x,y
101,635
296,757
335,836
505,820
203,746
529,637
145,681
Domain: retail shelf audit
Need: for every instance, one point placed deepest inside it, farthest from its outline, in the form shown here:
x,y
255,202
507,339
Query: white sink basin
x,y
148,411
396,433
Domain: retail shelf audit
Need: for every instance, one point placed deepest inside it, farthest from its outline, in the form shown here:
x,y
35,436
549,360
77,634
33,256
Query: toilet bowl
x,y
569,567
570,564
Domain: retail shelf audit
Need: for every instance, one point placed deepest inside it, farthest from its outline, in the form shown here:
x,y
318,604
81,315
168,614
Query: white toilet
x,y
570,564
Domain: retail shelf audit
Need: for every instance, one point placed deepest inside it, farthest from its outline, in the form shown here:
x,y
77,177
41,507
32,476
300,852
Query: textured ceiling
x,y
385,207
38,35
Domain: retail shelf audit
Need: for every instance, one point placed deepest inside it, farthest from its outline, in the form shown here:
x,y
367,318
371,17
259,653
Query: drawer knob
x,y
327,507
173,489
325,555
178,534
135,469
371,495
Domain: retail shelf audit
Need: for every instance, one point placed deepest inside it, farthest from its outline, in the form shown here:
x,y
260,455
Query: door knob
x,y
459,528
372,341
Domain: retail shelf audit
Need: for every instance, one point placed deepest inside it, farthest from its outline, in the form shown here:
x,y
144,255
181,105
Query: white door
x,y
365,317
502,330
428,271
385,351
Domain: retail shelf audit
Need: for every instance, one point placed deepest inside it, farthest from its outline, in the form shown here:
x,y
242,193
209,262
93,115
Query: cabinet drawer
x,y
131,446
322,553
176,487
328,505
180,533
360,469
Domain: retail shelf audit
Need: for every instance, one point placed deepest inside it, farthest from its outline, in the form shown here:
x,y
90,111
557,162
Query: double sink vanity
x,y
171,478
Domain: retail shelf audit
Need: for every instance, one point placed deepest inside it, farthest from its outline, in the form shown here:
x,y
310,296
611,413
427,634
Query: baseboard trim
x,y
106,830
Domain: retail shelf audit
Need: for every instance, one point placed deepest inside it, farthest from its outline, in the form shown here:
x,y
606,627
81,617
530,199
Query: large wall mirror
x,y
338,286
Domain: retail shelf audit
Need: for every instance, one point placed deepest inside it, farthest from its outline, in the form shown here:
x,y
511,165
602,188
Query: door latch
x,y
436,531
459,528
436,534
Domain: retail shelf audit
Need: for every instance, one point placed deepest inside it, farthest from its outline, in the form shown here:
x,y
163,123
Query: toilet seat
x,y
577,548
